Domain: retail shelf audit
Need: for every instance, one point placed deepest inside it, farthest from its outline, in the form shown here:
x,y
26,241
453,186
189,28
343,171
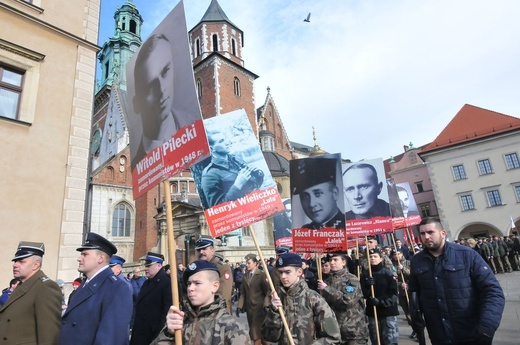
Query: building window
x,y
467,202
199,88
512,161
237,87
493,197
517,193
11,84
246,231
458,172
425,210
484,167
197,47
215,43
133,27
233,47
121,221
420,187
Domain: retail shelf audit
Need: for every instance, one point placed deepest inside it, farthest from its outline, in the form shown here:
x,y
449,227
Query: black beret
x,y
289,259
309,172
374,251
282,250
95,241
197,266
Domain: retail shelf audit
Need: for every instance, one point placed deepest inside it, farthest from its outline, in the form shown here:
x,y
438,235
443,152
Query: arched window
x,y
233,46
197,47
237,87
123,25
215,43
133,27
121,221
199,88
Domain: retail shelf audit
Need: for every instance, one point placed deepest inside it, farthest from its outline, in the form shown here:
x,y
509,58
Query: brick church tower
x,y
223,83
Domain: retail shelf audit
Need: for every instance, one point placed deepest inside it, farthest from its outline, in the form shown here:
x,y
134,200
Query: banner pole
x,y
171,252
373,293
271,285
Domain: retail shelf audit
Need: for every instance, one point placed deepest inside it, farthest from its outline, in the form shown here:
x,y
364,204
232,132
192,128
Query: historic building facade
x,y
47,70
474,169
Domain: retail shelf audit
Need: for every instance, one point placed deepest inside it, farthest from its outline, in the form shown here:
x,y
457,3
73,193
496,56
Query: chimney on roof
x,y
406,148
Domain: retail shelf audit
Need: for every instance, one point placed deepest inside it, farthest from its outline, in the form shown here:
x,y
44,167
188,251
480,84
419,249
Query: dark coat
x,y
99,312
32,313
385,290
458,293
155,298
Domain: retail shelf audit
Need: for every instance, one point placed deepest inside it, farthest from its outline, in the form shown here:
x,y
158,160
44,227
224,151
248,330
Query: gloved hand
x,y
238,311
482,338
373,301
370,281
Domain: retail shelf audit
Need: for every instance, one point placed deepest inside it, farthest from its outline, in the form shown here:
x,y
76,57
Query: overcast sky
x,y
369,75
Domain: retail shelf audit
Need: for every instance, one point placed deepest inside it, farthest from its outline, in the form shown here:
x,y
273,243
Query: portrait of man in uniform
x,y
314,184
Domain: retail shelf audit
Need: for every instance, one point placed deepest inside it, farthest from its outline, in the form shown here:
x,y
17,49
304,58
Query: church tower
x,y
223,83
119,49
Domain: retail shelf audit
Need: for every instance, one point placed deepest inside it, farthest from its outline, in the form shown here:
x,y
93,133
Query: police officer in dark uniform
x,y
314,180
101,309
153,302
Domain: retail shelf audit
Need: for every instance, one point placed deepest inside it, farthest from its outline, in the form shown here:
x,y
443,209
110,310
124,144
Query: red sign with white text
x,y
244,211
369,227
325,240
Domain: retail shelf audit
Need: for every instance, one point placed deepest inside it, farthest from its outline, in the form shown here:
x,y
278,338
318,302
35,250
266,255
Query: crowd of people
x,y
446,288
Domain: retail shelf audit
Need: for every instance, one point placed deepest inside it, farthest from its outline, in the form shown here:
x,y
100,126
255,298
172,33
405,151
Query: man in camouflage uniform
x,y
205,247
309,317
342,291
205,319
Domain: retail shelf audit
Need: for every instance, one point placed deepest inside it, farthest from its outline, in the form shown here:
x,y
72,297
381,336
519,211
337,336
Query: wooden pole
x,y
171,252
318,266
372,291
410,239
271,285
402,275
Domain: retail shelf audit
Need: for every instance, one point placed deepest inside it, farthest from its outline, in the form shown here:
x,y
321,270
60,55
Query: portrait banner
x,y
366,198
283,226
398,219
408,205
234,184
318,218
165,126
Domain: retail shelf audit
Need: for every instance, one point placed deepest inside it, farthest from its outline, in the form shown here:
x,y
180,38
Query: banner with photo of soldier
x,y
409,207
366,198
318,218
234,184
398,220
283,226
163,113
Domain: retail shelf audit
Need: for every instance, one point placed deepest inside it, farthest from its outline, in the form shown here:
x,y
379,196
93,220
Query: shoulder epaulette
x,y
44,279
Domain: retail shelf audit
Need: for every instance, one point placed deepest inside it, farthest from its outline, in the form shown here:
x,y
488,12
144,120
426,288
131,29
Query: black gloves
x,y
482,338
373,301
370,281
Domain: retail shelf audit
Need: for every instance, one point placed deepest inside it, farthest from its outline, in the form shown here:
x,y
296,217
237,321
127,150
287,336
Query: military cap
x,y
219,256
251,256
289,259
95,241
26,249
116,260
282,250
371,238
312,171
153,258
374,251
197,266
338,253
204,242
60,283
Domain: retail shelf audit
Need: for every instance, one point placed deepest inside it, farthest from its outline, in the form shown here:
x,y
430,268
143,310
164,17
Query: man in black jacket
x,y
153,302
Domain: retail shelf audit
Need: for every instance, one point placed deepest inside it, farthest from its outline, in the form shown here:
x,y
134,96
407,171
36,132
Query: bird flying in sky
x,y
308,19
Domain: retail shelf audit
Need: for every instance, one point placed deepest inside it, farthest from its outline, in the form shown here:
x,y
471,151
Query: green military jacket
x,y
32,314
343,294
211,325
310,318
